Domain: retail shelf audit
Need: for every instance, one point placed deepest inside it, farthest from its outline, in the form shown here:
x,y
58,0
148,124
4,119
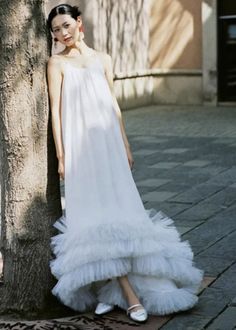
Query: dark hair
x,y
73,11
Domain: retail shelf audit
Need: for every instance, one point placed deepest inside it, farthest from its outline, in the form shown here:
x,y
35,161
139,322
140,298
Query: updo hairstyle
x,y
73,11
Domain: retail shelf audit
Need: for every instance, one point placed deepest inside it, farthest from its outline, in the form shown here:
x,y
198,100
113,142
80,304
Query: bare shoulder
x,y
55,64
105,58
54,61
108,68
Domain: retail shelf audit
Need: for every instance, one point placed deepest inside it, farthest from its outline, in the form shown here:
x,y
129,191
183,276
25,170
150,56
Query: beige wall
x,y
175,54
175,34
175,31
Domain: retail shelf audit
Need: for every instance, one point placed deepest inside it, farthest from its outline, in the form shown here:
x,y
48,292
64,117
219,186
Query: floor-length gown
x,y
105,231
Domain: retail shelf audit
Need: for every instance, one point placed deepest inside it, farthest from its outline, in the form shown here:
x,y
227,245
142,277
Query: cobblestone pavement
x,y
185,165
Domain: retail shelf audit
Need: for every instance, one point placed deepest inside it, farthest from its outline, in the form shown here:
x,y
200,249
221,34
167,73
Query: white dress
x,y
105,231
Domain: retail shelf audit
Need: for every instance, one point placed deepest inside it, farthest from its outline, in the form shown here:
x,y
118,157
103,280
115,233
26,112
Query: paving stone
x,y
183,229
175,150
175,187
233,302
195,248
187,178
189,142
165,165
200,212
221,160
191,225
158,196
175,171
146,173
212,170
226,282
152,182
188,170
197,193
212,231
136,146
194,132
225,321
171,209
181,157
150,160
221,149
148,146
178,176
144,190
213,266
144,152
197,163
198,179
226,178
193,162
190,122
224,248
149,138
206,282
211,303
222,140
186,322
224,197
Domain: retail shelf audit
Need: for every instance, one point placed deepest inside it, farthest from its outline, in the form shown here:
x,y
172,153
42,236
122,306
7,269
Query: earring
x,y
55,42
81,32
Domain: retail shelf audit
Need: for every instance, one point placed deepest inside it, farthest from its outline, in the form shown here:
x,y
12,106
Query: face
x,y
66,29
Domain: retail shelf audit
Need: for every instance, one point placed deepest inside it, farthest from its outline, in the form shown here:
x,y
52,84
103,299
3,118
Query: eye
x,y
67,25
56,30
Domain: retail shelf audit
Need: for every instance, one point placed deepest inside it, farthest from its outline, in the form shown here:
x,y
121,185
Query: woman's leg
x,y
128,291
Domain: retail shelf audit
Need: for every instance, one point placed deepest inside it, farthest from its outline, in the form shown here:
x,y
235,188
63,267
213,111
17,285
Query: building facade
x,y
178,52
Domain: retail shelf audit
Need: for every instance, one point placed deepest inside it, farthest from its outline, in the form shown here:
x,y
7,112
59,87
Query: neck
x,y
78,48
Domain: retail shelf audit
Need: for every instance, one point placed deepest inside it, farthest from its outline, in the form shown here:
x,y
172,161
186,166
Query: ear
x,y
79,21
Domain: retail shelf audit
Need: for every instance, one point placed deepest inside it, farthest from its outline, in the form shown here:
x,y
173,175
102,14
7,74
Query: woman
x,y
110,250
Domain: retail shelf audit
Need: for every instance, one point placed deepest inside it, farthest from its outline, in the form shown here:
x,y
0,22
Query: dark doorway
x,y
227,50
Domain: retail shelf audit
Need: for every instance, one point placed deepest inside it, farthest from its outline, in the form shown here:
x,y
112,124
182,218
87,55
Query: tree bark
x,y
30,198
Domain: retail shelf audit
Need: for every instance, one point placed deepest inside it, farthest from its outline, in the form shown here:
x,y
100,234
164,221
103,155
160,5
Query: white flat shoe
x,y
103,308
139,316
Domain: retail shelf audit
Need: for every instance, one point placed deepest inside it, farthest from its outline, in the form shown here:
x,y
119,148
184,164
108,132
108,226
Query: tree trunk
x,y
30,200
121,28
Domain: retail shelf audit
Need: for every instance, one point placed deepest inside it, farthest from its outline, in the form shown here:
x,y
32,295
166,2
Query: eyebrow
x,y
58,25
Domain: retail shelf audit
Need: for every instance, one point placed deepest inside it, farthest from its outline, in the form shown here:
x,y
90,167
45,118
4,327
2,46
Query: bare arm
x,y
109,76
54,76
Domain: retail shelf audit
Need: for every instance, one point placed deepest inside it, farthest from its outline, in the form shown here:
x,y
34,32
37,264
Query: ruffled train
x,y
158,264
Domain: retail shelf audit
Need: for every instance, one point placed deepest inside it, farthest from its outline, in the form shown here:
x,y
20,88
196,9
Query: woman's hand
x,y
61,167
130,157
